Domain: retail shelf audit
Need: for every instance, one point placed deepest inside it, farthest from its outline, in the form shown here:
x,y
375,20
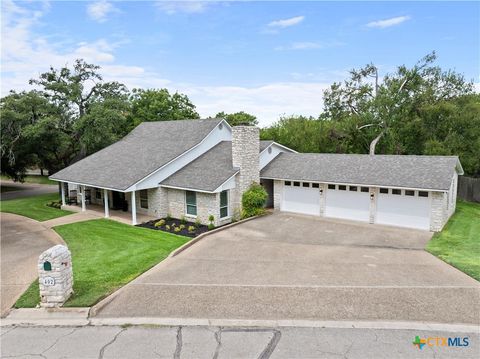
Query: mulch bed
x,y
173,222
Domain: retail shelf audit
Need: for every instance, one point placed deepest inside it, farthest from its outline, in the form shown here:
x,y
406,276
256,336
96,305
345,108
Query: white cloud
x,y
100,10
381,24
179,6
309,45
25,54
283,23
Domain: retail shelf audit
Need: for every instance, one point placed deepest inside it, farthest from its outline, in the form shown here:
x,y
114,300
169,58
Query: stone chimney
x,y
245,155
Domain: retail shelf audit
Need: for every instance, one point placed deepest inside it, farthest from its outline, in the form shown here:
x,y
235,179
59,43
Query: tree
x,y
380,106
20,112
160,105
238,118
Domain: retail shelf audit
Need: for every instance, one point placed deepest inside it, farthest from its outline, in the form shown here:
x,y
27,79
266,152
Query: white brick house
x,y
199,168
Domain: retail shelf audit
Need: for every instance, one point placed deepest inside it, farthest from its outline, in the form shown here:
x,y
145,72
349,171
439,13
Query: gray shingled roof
x,y
207,172
264,144
429,172
148,147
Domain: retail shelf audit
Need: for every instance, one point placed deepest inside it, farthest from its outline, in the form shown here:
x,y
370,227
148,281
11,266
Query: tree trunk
x,y
41,171
375,141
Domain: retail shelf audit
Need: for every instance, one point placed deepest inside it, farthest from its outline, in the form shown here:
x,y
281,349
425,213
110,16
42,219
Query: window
x,y
422,194
331,186
306,184
342,188
288,183
384,190
315,185
296,184
191,201
364,189
144,199
409,192
98,194
353,188
223,204
396,191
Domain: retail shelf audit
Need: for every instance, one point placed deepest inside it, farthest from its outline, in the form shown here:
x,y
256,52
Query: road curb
x,y
37,317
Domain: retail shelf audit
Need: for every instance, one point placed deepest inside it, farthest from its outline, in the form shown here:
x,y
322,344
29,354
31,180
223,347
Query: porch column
x,y
134,208
83,198
62,184
105,201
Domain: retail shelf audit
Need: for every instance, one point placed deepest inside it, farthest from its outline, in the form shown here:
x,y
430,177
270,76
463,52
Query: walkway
x,y
96,211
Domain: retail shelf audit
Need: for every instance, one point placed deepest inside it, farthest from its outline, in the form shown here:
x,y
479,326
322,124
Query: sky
x,y
266,58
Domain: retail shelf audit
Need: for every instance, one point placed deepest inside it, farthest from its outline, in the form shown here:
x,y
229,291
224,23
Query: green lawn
x,y
106,255
34,207
33,179
459,242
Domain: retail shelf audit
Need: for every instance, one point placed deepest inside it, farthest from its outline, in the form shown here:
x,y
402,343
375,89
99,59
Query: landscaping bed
x,y
181,227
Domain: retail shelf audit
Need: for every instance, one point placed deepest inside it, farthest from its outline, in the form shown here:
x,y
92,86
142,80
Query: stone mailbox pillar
x,y
55,276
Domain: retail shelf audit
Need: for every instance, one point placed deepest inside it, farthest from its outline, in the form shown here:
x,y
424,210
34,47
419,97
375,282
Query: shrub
x,y
167,227
182,226
253,201
211,226
160,223
55,204
197,223
191,229
211,219
174,224
168,217
177,229
183,220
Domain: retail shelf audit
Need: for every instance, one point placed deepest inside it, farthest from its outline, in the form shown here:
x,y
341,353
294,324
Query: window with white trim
x,y
223,204
144,199
191,203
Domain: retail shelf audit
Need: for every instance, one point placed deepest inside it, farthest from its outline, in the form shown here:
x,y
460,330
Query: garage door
x,y
348,202
404,208
301,197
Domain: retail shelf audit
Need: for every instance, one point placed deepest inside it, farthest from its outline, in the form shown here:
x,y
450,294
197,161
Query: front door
x,y
118,200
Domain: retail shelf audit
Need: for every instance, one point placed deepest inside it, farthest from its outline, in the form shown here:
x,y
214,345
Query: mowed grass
x,y
107,255
34,207
33,179
459,242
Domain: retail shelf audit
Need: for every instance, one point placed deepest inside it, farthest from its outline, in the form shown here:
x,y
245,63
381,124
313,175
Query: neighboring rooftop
x,y
148,147
207,172
429,172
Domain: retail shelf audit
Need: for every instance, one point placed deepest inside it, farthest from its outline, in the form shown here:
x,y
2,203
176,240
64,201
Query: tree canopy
x,y
238,118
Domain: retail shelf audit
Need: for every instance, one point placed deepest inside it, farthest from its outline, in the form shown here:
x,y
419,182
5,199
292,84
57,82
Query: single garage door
x,y
301,197
404,208
348,202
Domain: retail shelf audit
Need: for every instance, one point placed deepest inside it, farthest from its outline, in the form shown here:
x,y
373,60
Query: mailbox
x,y
55,276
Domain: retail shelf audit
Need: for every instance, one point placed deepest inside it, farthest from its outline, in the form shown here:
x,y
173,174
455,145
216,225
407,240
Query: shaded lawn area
x,y
459,242
106,255
34,207
33,179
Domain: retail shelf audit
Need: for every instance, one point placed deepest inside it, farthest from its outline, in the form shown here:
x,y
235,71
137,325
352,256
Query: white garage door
x,y
348,202
404,208
301,197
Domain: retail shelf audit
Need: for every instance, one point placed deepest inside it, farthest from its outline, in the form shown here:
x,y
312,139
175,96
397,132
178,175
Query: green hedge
x,y
254,200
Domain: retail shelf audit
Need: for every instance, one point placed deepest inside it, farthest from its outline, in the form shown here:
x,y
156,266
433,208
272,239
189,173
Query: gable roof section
x,y
148,147
264,145
207,172
428,172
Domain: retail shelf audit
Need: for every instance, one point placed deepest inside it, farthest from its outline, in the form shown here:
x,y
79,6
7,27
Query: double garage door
x,y
396,207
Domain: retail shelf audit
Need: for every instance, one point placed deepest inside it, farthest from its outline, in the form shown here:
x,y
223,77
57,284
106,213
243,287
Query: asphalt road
x,y
22,190
296,267
214,342
22,240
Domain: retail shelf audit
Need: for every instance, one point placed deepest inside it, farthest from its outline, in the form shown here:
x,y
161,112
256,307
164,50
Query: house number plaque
x,y
48,281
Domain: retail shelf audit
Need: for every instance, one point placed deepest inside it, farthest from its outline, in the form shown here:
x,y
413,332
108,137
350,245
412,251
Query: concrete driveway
x,y
287,266
22,241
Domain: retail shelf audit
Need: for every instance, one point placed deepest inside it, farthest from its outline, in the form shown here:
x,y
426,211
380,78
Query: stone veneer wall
x,y
438,214
277,194
245,155
207,204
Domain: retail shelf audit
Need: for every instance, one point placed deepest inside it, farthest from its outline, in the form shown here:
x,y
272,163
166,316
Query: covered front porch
x,y
102,202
